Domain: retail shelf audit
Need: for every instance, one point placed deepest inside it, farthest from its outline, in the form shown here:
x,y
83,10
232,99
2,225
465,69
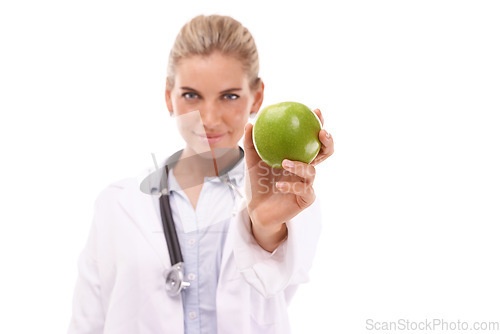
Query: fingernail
x,y
327,135
288,163
280,185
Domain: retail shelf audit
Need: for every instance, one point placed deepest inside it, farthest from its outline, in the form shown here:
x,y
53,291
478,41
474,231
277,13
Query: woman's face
x,y
212,100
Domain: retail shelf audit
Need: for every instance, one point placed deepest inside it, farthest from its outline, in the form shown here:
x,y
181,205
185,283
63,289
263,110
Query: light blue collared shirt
x,y
202,235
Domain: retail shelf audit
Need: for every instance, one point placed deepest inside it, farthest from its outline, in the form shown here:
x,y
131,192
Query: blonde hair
x,y
205,34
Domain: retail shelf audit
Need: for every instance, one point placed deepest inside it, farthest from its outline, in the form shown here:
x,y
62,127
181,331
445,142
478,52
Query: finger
x,y
326,149
251,156
301,169
301,189
320,116
327,142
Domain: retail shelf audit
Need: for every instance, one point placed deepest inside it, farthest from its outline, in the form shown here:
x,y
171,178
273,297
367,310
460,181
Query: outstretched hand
x,y
275,195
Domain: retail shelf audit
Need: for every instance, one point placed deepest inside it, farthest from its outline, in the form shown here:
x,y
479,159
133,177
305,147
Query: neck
x,y
206,164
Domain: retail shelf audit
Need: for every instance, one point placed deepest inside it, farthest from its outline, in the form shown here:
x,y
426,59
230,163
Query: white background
x,y
410,91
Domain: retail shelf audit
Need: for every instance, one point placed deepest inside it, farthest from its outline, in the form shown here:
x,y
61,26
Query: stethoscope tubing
x,y
174,248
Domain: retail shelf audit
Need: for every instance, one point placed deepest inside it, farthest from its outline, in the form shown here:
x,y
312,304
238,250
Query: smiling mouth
x,y
211,138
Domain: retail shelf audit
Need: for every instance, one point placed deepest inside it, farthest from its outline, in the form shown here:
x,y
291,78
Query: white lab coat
x,y
121,281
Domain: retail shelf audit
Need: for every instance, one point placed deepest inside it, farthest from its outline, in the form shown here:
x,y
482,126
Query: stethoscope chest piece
x,y
175,279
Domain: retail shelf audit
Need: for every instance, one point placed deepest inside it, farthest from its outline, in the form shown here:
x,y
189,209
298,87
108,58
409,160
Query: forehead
x,y
212,72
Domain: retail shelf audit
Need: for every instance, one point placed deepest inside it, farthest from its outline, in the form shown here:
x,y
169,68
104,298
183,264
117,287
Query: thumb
x,y
251,156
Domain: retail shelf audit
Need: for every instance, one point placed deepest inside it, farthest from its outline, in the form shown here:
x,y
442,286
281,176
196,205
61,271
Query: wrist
x,y
269,237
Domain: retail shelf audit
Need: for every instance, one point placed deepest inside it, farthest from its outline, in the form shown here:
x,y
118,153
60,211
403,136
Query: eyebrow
x,y
222,92
188,88
230,90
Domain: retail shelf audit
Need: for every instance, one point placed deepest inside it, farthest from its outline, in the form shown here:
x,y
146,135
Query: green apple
x,y
287,130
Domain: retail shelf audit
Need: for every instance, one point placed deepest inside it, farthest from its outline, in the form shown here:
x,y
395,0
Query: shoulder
x,y
128,186
113,189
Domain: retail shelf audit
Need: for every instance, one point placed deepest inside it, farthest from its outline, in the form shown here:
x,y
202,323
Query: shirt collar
x,y
236,175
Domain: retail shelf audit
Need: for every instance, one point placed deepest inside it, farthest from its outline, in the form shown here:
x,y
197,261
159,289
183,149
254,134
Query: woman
x,y
243,257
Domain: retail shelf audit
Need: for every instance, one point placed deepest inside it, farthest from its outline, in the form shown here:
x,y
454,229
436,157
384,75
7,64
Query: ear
x,y
168,98
258,95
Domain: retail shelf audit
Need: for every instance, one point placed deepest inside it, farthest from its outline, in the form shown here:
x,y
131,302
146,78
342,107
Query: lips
x,y
211,138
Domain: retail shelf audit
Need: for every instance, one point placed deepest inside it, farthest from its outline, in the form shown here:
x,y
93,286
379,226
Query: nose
x,y
210,115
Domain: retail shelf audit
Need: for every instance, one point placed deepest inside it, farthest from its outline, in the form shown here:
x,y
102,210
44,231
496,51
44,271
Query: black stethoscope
x,y
175,281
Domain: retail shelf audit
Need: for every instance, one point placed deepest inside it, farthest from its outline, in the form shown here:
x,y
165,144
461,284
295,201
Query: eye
x,y
230,96
190,96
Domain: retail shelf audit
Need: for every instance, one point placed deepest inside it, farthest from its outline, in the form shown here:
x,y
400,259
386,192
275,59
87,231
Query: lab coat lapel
x,y
237,175
228,247
144,213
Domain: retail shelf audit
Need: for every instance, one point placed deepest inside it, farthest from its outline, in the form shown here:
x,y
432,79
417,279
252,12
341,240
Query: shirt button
x,y
192,315
192,241
191,277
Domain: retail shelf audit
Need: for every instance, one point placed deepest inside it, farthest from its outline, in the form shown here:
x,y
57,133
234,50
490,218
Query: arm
x,y
279,227
87,311
289,264
269,238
